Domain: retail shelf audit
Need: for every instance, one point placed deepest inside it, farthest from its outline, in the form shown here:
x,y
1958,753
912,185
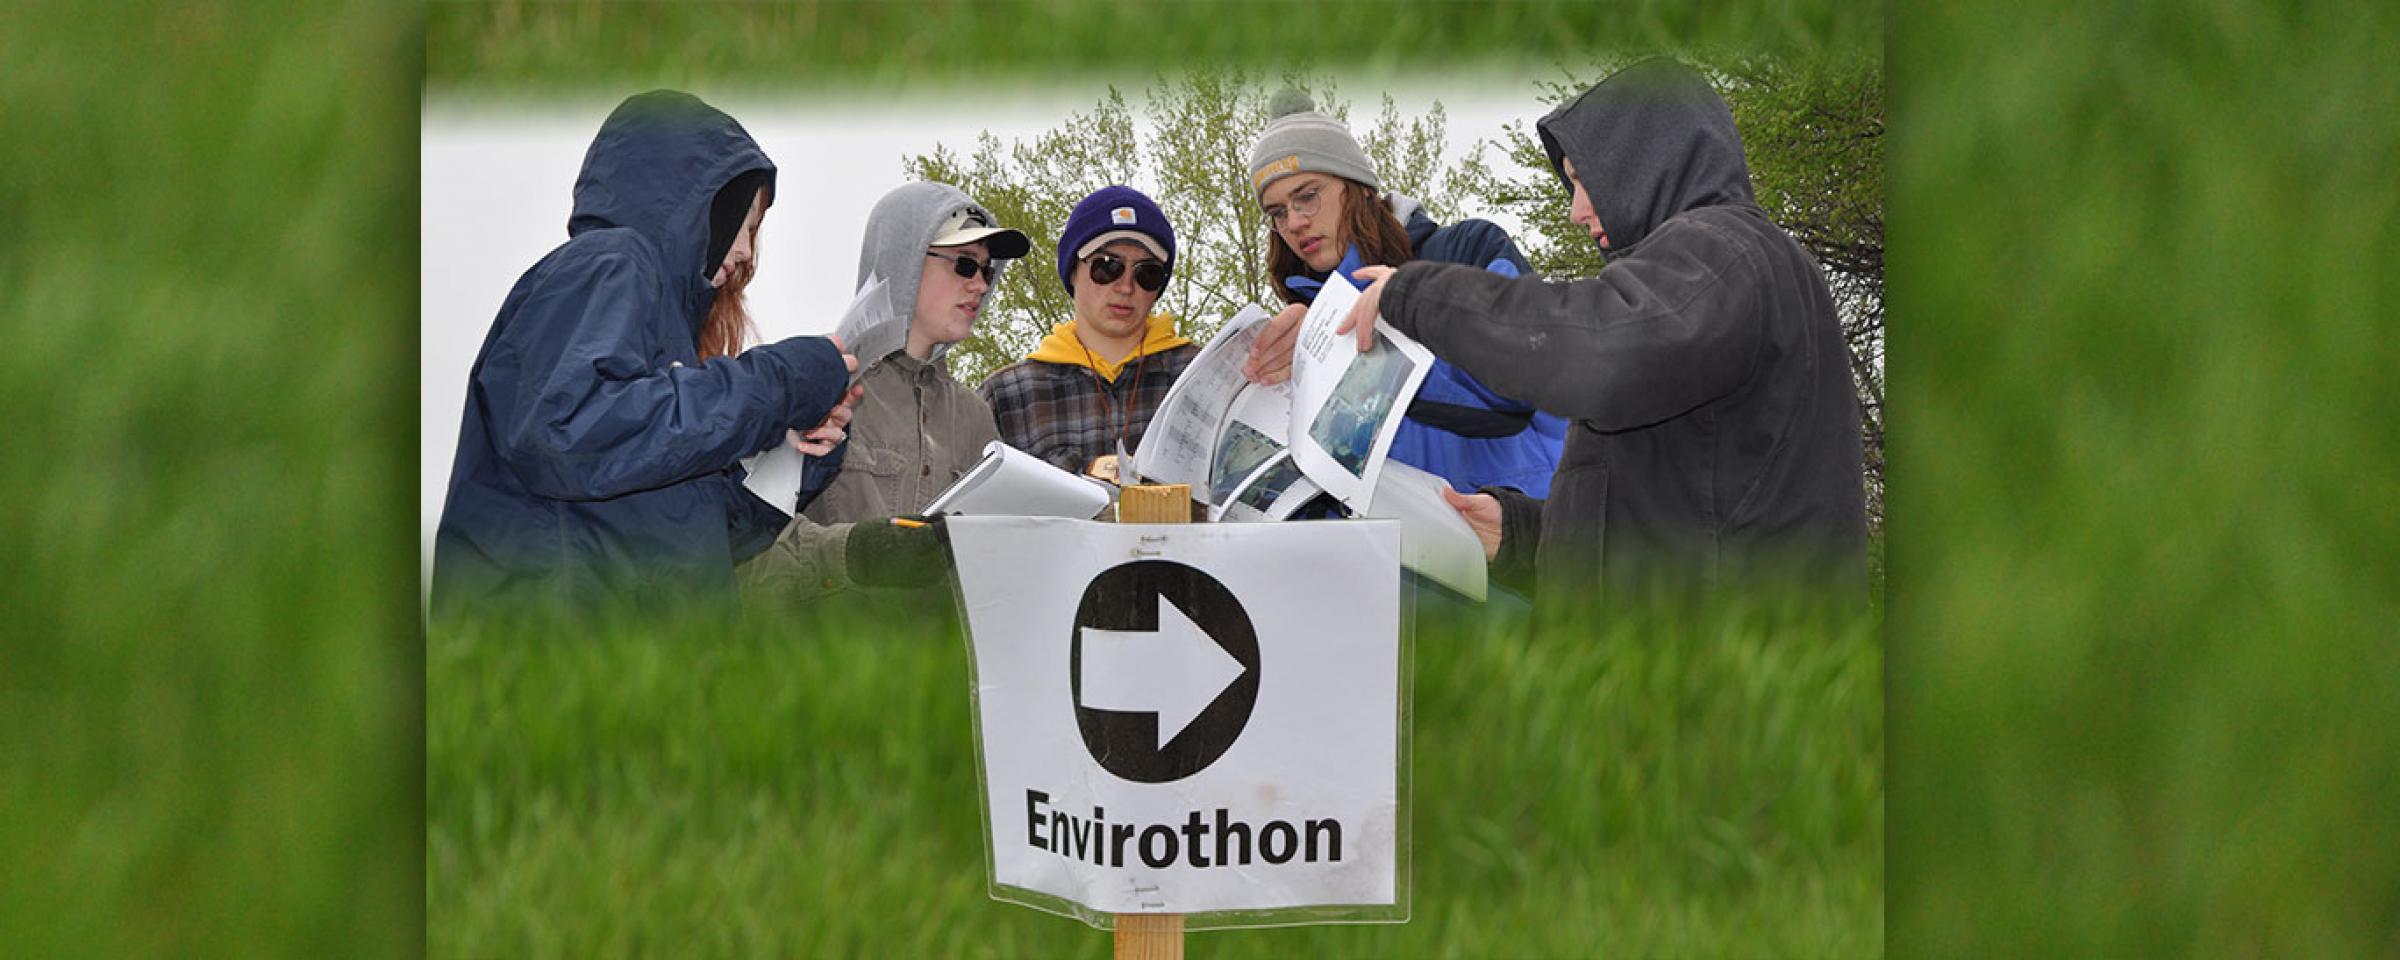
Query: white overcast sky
x,y
496,184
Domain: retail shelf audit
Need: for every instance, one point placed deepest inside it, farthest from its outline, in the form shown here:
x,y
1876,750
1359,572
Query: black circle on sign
x,y
1125,598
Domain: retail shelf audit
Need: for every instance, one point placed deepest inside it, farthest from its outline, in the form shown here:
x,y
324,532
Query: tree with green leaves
x,y
1814,135
1812,132
1189,149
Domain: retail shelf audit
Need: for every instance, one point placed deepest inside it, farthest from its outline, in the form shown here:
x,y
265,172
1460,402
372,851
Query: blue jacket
x,y
1457,428
596,455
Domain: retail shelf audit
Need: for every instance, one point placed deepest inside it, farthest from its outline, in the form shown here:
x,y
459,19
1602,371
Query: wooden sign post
x,y
1152,936
1155,503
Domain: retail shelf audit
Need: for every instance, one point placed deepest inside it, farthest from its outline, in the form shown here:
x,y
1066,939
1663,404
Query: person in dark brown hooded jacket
x,y
1716,436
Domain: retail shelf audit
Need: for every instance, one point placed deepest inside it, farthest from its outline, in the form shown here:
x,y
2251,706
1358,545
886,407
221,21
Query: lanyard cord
x,y
1108,406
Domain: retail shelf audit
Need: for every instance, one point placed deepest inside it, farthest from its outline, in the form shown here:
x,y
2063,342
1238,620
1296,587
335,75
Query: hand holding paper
x,y
1270,358
1368,309
849,359
830,432
1482,513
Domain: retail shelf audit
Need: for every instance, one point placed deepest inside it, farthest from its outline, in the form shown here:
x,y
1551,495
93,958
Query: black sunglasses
x,y
1149,275
967,266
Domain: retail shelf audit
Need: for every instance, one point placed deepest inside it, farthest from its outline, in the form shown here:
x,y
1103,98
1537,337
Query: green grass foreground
x,y
808,788
209,648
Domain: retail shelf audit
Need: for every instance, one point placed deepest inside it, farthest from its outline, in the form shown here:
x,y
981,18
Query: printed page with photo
x,y
1274,491
1255,431
1347,405
1182,442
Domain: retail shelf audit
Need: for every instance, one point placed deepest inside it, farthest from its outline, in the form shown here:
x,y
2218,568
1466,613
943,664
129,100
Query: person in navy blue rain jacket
x,y
610,403
1328,213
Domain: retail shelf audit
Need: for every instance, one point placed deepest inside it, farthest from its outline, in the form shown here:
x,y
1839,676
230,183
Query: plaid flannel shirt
x,y
1067,415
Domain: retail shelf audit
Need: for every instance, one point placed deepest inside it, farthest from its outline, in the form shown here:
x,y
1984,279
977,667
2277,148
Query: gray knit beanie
x,y
1299,139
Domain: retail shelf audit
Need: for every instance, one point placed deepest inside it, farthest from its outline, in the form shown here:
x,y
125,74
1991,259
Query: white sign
x,y
1187,718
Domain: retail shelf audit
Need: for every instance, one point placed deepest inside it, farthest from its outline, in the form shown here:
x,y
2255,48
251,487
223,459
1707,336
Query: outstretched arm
x,y
580,411
1651,337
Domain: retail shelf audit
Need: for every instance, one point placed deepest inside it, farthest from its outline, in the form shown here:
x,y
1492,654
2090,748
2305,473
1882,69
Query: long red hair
x,y
728,330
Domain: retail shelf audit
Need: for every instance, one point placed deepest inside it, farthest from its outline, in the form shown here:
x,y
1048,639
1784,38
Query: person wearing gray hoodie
x,y
915,430
1715,440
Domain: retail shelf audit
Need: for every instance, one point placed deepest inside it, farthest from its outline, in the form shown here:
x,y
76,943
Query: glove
x,y
881,553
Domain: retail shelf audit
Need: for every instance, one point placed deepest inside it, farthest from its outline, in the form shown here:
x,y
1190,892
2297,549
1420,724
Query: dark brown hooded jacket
x,y
1716,436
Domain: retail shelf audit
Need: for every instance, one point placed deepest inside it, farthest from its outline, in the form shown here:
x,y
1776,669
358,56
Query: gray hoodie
x,y
1716,436
899,231
914,432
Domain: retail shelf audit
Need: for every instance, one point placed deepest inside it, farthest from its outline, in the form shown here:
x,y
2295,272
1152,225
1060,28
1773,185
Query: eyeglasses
x,y
1149,275
967,266
1304,202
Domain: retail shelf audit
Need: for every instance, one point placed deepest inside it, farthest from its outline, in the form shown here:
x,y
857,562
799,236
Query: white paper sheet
x,y
870,330
1434,540
775,475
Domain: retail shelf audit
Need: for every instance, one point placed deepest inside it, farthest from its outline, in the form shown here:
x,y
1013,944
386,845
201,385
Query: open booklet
x,y
1006,482
1253,452
1012,483
1434,540
1332,422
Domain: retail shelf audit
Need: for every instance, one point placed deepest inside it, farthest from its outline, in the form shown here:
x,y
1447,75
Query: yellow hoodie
x,y
1061,346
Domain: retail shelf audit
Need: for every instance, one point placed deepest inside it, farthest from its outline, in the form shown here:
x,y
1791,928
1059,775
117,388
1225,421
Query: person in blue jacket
x,y
610,403
1327,213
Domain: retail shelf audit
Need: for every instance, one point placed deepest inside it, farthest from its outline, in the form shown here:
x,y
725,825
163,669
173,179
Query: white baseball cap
x,y
969,225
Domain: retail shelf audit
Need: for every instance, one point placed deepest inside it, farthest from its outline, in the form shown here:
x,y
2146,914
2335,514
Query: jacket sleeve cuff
x,y
1520,538
817,379
1398,295
805,562
831,571
820,357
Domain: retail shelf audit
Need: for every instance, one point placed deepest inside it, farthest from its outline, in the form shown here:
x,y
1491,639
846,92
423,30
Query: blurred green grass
x,y
2145,481
2142,518
515,48
807,786
210,707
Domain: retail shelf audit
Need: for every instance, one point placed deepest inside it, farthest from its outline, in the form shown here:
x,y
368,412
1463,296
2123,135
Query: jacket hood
x,y
1062,347
1413,219
899,231
1652,141
658,162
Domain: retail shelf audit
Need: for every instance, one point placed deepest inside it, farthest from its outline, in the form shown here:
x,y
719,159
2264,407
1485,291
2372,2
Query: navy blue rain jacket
x,y
597,456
